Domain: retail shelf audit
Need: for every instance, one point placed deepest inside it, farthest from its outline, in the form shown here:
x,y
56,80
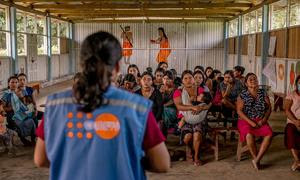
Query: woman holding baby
x,y
192,103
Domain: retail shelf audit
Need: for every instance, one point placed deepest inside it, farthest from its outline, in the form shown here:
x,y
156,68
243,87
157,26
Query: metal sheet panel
x,y
232,61
42,68
4,72
55,66
63,65
204,40
248,64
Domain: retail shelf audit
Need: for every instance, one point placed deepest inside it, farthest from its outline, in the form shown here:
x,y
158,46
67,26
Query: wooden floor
x,y
276,162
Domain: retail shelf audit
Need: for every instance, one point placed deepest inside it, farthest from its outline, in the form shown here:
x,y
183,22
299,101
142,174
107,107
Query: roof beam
x,y
151,20
26,9
140,12
146,5
199,15
255,7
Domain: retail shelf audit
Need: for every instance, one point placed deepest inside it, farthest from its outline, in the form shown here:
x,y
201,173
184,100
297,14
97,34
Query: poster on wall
x,y
291,75
281,75
270,72
272,45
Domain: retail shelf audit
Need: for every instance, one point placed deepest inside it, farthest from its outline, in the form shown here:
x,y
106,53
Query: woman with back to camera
x,y
95,130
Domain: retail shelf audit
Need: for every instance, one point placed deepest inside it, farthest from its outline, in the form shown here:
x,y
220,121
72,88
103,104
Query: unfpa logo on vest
x,y
107,126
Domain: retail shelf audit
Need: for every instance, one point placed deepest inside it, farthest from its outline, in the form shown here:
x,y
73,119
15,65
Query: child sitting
x,y
6,135
203,100
28,101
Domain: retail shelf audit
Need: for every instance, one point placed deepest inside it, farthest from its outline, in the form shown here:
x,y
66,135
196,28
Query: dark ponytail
x,y
100,52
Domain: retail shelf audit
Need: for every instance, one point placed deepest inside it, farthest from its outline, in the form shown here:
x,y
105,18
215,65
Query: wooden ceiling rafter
x,y
72,10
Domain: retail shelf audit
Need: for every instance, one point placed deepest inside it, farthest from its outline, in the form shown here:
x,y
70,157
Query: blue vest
x,y
105,144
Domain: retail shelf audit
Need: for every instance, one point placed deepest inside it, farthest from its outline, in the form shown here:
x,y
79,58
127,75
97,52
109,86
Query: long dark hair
x,y
207,70
100,52
297,79
134,66
161,63
11,78
163,31
203,77
186,72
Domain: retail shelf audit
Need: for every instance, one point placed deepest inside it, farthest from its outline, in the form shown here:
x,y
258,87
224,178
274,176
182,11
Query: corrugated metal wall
x,y
4,71
205,40
55,66
63,65
249,64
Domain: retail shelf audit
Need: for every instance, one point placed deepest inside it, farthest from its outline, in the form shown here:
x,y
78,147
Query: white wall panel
x,y
204,41
42,68
63,65
55,69
4,72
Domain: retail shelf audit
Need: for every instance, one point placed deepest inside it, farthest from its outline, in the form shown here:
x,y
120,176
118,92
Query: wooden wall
x,y
294,43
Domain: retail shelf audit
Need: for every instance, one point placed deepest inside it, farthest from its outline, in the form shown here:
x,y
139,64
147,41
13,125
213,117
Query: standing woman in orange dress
x,y
127,43
163,43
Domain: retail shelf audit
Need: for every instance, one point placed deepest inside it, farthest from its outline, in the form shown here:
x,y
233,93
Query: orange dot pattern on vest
x,y
70,125
79,115
80,135
70,115
70,134
89,115
89,135
79,125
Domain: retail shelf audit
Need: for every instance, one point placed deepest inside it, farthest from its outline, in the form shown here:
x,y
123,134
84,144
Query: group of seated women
x,y
182,103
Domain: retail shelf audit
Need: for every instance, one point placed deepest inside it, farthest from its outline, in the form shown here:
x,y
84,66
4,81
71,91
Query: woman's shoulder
x,y
244,94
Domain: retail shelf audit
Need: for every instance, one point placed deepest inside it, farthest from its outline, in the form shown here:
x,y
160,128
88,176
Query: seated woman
x,y
254,109
208,72
17,118
129,83
230,89
200,81
134,70
170,112
158,78
29,91
194,127
177,80
148,91
292,129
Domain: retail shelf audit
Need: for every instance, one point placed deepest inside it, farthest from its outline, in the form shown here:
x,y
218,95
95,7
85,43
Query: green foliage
x,y
2,20
20,21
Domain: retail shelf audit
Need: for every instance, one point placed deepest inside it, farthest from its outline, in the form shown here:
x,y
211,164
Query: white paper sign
x,y
270,72
272,45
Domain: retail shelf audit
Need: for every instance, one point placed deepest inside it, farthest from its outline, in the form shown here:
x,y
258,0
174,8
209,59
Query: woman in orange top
x,y
127,43
164,43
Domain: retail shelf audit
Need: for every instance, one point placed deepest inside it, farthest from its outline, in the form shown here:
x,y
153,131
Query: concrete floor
x,y
276,162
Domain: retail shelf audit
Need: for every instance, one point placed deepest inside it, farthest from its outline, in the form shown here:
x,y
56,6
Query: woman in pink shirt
x,y
292,129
